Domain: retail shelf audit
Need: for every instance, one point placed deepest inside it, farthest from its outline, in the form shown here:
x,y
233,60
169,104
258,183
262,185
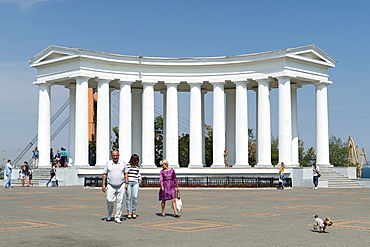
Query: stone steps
x,y
337,180
40,177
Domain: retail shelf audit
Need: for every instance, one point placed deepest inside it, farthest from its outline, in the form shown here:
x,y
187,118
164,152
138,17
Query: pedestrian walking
x,y
169,187
8,171
115,175
134,181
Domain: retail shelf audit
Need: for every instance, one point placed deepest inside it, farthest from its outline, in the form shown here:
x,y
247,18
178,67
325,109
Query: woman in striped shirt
x,y
134,180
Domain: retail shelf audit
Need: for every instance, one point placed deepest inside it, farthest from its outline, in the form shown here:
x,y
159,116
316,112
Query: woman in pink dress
x,y
169,187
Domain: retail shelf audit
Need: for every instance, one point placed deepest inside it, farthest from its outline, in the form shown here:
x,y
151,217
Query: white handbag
x,y
178,202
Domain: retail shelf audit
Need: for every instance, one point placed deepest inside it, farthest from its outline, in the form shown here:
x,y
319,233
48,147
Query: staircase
x,y
337,180
40,177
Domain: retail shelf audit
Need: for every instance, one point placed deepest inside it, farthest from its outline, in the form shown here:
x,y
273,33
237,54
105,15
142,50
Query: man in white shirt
x,y
8,171
115,174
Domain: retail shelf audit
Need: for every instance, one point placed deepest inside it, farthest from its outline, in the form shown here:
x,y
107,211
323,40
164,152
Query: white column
x,y
264,124
82,131
295,151
322,125
218,124
148,158
256,131
203,130
172,129
137,122
72,123
241,125
44,125
230,125
164,93
125,108
103,123
285,121
196,130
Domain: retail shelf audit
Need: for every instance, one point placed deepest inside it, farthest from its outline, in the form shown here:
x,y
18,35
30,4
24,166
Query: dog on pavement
x,y
322,224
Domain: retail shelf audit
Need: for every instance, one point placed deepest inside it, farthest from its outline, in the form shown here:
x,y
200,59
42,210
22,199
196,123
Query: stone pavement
x,y
72,216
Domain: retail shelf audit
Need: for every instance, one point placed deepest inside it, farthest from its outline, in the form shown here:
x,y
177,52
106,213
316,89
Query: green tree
x,y
184,150
115,141
208,144
158,141
274,150
308,158
252,148
338,152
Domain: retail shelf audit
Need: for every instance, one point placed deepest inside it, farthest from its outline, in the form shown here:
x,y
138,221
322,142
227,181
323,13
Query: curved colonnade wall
x,y
137,78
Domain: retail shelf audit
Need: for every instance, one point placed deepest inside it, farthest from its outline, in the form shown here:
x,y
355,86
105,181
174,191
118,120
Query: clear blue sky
x,y
173,28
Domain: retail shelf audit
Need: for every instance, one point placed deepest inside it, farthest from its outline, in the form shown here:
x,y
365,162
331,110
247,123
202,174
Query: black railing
x,y
207,182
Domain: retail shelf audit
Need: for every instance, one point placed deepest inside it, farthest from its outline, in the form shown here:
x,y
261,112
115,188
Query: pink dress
x,y
169,182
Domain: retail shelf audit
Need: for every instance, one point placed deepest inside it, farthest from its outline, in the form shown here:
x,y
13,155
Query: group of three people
x,y
120,178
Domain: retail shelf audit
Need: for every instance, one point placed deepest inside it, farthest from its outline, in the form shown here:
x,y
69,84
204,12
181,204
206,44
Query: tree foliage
x,y
338,151
274,150
208,144
184,140
158,142
252,148
115,139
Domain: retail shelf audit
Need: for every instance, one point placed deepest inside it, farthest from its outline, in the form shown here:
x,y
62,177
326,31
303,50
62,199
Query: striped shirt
x,y
133,173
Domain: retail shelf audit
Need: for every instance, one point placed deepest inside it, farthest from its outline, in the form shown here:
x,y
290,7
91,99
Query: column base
x,y
324,164
264,165
293,165
148,165
241,165
195,165
218,165
80,164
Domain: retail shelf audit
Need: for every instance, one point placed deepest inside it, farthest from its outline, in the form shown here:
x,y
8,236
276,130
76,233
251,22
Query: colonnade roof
x,y
61,65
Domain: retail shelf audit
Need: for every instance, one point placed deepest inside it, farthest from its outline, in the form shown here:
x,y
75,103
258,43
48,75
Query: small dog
x,y
322,224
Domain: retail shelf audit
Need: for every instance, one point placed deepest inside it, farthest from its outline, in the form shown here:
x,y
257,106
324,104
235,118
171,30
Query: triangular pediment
x,y
53,55
312,55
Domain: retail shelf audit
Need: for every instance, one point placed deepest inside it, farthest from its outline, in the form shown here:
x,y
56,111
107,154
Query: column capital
x,y
171,83
125,82
270,79
102,80
242,82
42,83
81,78
144,83
284,77
323,83
216,83
195,83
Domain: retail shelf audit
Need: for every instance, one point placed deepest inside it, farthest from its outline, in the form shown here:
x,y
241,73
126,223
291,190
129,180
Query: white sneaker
x,y
315,188
118,220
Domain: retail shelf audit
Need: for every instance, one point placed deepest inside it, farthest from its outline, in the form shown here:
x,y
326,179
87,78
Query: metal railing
x,y
207,182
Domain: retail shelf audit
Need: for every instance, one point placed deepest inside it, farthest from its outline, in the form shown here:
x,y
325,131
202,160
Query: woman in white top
x,y
134,181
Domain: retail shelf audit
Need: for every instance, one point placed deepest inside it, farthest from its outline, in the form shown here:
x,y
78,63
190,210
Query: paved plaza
x,y
72,216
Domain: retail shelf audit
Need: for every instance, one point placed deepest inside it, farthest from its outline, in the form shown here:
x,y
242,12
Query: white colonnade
x,y
228,78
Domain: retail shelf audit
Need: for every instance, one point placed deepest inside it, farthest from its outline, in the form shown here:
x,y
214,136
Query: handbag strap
x,y
178,196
